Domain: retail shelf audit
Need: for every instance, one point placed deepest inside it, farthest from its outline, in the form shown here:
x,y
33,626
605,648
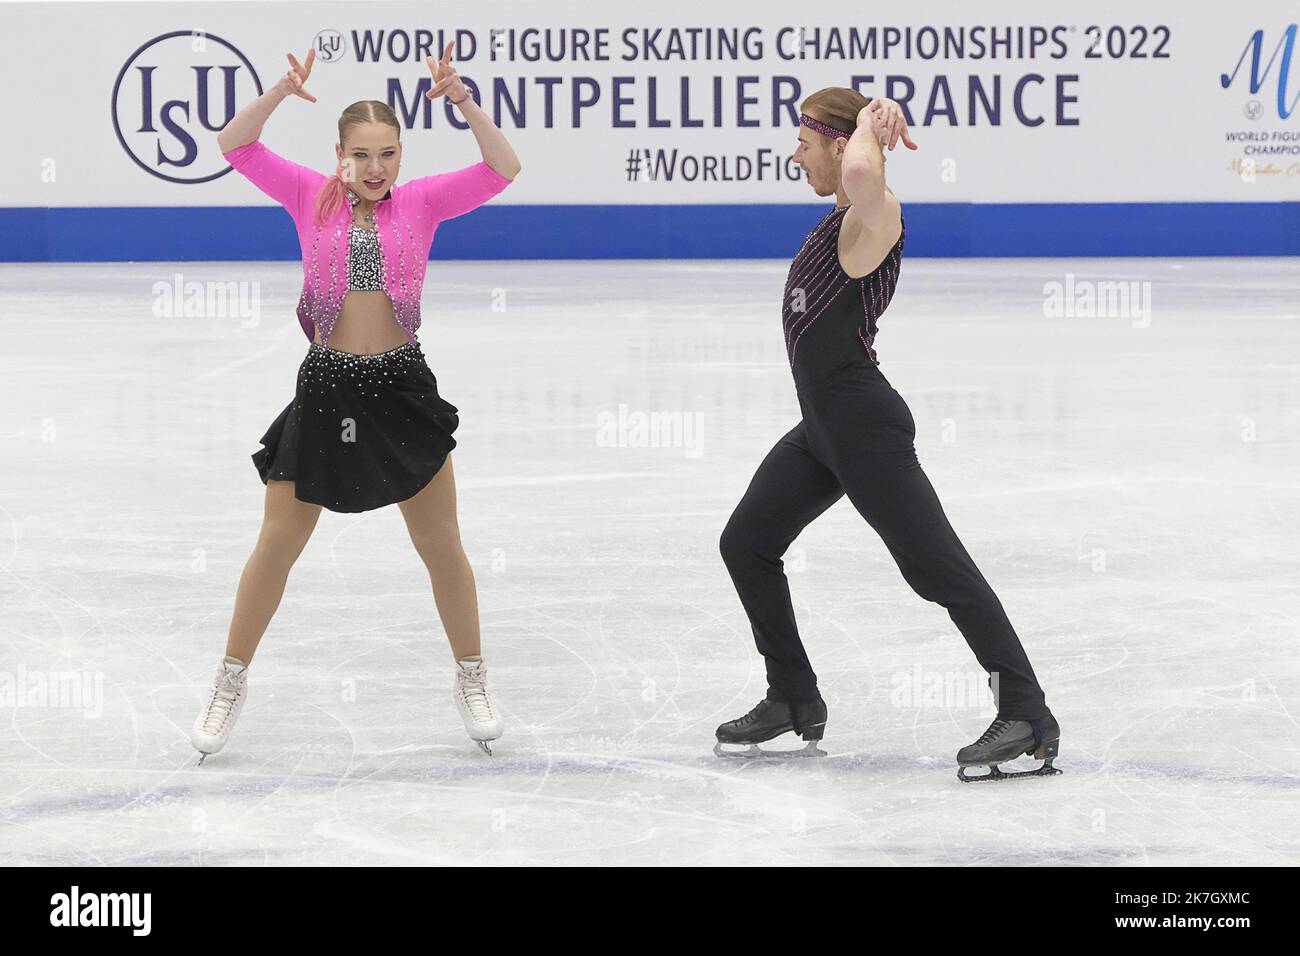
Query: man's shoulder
x,y
867,238
883,216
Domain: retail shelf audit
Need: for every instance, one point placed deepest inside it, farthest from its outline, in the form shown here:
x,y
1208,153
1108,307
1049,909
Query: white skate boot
x,y
225,701
481,720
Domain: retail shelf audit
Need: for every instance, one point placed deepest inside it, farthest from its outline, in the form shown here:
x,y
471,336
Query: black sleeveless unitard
x,y
830,318
856,439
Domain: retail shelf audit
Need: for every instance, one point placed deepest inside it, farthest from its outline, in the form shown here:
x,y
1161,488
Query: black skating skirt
x,y
362,431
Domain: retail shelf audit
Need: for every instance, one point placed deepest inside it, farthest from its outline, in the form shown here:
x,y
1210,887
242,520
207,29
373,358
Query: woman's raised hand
x,y
445,79
293,81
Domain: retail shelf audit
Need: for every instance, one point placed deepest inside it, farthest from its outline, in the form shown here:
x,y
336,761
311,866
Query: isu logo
x,y
172,97
330,46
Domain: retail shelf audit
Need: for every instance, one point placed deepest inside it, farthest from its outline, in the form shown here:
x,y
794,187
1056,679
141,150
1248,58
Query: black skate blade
x,y
995,773
755,752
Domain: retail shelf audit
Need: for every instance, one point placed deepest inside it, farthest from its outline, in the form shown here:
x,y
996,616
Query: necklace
x,y
367,217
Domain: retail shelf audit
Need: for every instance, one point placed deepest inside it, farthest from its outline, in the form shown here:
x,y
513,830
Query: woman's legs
x,y
431,522
287,524
789,489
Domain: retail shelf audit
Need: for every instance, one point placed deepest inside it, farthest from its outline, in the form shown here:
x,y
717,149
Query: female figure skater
x,y
366,427
856,438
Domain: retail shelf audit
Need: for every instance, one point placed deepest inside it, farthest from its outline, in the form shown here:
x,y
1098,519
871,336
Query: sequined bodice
x,y
365,263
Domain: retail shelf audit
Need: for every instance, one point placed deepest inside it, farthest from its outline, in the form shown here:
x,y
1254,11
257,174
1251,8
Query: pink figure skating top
x,y
406,220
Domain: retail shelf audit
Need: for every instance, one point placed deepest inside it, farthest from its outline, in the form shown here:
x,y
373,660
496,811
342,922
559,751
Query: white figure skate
x,y
476,710
226,699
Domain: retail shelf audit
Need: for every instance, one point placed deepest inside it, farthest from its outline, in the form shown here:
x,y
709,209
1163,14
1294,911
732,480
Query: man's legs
x,y
789,490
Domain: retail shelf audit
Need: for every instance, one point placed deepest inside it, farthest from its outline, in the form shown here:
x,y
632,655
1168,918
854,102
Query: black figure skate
x,y
769,719
1006,740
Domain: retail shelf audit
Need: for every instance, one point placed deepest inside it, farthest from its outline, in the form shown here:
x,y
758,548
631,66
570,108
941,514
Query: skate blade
x,y
202,757
995,773
755,752
483,745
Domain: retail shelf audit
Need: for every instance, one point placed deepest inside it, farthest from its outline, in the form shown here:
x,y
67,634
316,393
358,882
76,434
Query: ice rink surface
x,y
1129,484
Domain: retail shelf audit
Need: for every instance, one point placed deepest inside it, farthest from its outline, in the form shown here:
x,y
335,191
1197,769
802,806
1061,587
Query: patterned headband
x,y
820,127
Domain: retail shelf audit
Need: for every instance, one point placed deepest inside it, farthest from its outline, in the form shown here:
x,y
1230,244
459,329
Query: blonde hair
x,y
330,198
836,106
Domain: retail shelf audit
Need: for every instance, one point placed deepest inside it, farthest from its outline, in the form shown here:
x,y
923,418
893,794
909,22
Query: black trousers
x,y
857,438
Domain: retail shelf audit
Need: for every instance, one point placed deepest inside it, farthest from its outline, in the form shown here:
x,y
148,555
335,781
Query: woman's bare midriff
x,y
366,325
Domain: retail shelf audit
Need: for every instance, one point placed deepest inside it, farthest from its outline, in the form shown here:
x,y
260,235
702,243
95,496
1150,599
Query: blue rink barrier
x,y
750,231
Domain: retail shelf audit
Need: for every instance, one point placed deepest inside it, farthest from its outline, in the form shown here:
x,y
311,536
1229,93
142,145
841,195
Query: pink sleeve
x,y
294,187
453,194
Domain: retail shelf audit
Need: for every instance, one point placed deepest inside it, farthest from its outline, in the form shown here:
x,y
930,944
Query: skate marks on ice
x,y
387,813
310,784
617,801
